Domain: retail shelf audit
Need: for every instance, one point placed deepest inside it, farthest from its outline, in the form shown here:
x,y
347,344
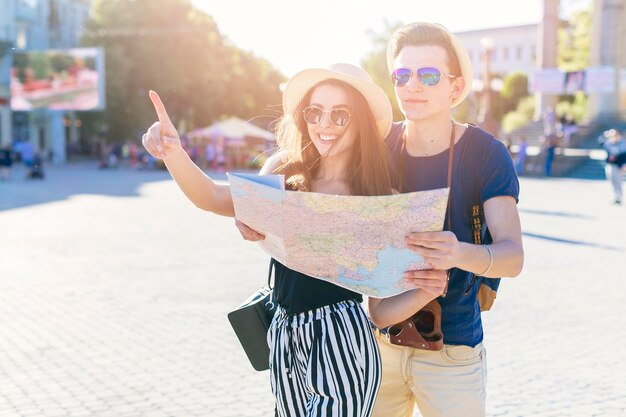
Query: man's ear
x,y
457,87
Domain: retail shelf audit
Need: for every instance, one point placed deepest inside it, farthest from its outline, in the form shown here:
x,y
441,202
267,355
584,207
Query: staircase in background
x,y
583,157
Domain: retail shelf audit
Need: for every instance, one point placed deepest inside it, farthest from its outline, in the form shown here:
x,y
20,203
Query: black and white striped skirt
x,y
324,362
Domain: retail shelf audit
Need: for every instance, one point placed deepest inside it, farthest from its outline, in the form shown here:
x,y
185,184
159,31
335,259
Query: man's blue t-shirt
x,y
482,166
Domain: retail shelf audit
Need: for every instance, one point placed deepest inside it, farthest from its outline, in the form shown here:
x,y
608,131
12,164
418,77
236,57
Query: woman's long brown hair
x,y
368,169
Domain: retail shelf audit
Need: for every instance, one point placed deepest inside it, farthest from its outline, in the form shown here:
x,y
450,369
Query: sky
x,y
296,34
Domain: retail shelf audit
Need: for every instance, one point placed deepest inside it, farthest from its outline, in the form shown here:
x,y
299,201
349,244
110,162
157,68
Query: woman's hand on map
x,y
161,140
440,249
248,233
433,281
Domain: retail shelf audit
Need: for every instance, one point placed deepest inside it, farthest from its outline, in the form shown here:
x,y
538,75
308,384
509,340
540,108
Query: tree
x,y
574,55
375,63
177,50
574,44
520,116
514,88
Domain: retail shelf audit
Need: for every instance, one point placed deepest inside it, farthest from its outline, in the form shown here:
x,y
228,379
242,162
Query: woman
x,y
324,360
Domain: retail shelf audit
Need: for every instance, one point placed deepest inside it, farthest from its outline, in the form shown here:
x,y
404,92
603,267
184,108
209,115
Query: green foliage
x,y
515,86
375,63
60,62
513,120
172,48
574,55
514,89
574,44
466,111
20,62
526,106
499,105
40,64
577,107
520,116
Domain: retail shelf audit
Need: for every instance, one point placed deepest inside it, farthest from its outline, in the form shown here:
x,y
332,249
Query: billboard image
x,y
71,79
594,80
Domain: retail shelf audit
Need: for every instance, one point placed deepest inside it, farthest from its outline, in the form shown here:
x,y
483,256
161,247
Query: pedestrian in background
x,y
210,155
26,149
6,161
568,128
549,121
615,147
549,145
520,158
134,155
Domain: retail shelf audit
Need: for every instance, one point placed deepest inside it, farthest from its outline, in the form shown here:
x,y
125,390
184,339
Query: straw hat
x,y
461,53
298,86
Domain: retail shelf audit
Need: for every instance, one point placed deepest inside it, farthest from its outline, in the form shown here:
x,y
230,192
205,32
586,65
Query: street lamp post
x,y
485,116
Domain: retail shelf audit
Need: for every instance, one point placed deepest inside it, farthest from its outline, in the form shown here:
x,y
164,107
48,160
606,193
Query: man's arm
x,y
505,228
444,251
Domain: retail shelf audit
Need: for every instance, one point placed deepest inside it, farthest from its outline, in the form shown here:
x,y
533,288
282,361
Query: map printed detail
x,y
355,242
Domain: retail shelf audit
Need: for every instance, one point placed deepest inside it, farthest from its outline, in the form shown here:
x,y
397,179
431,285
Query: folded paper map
x,y
352,241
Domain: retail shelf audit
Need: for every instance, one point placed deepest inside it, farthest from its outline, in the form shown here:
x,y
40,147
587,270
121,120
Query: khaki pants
x,y
446,383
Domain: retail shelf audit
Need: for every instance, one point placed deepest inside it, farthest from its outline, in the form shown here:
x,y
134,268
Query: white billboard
x,y
69,79
594,80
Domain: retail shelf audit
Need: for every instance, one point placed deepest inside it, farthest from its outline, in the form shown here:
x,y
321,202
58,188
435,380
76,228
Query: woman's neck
x,y
331,178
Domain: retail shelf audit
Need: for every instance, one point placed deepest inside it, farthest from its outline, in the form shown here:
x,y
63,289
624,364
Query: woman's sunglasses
x,y
428,76
314,115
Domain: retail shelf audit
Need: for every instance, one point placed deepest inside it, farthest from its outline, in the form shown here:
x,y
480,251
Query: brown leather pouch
x,y
420,331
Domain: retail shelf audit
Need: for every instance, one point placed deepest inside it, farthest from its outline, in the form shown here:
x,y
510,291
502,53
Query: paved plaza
x,y
114,291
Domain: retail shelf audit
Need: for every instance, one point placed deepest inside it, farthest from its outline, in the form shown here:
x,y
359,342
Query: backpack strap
x,y
480,232
477,218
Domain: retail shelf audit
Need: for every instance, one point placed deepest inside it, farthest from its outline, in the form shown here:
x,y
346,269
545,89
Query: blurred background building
x,y
37,25
515,48
218,80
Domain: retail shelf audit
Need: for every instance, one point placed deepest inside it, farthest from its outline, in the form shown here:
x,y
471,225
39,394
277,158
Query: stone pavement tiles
x,y
114,292
114,303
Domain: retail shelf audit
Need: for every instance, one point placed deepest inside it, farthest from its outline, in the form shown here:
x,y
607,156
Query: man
x,y
26,150
432,74
6,160
615,148
549,145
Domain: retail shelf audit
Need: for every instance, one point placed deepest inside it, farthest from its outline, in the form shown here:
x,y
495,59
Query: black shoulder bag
x,y
251,321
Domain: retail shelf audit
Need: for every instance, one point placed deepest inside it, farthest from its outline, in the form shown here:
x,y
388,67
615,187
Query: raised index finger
x,y
159,107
